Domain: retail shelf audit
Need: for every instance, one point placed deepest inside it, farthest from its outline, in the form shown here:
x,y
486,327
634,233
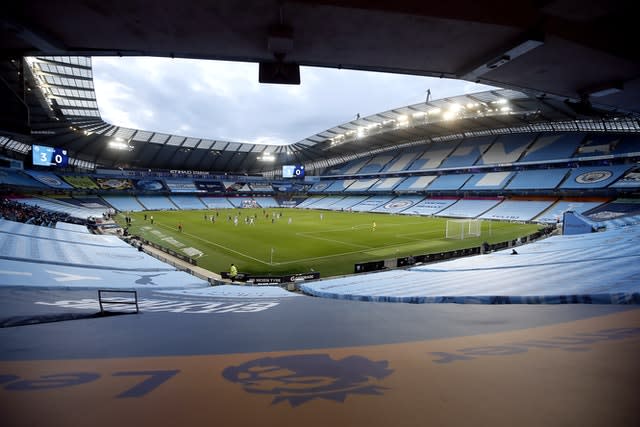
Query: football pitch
x,y
282,241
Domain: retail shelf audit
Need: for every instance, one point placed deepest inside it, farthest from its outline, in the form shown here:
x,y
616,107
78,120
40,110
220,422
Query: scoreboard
x,y
49,156
293,171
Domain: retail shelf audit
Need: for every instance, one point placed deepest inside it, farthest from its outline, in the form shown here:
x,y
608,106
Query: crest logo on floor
x,y
298,379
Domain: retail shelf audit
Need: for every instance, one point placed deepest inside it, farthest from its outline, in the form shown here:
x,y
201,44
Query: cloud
x,y
224,101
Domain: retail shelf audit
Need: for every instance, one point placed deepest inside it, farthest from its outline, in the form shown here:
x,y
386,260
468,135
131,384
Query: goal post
x,y
463,228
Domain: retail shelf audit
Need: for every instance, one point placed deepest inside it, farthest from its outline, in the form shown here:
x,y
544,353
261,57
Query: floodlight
x,y
448,115
118,145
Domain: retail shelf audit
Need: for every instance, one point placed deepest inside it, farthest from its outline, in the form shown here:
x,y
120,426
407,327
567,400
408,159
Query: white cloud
x,y
224,101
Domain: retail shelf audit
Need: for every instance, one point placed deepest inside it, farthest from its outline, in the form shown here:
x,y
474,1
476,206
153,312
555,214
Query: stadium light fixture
x,y
448,115
403,118
418,114
267,157
119,145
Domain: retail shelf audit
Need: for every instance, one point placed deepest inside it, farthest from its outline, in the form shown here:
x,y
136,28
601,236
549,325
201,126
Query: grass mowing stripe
x,y
331,245
217,244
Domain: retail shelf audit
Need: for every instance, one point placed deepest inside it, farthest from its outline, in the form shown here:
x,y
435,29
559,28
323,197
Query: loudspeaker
x,y
279,73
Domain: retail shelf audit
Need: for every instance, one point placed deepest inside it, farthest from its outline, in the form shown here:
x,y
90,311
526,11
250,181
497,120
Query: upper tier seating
x,y
386,184
488,181
594,176
541,179
18,178
449,182
361,185
376,164
467,153
506,149
400,163
434,155
49,179
553,147
416,183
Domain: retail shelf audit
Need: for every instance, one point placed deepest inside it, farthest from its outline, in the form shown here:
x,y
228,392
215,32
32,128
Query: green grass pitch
x,y
300,241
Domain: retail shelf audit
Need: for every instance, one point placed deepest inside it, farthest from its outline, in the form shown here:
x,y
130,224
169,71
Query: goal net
x,y
462,228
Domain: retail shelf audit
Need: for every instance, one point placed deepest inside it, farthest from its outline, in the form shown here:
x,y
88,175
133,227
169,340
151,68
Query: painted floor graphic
x,y
581,372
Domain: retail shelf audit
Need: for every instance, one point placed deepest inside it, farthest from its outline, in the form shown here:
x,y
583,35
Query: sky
x,y
224,101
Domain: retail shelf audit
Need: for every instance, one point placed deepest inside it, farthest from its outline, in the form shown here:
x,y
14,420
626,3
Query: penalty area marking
x,y
219,245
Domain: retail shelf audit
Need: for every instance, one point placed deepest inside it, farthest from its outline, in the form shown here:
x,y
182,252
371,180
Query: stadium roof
x,y
563,59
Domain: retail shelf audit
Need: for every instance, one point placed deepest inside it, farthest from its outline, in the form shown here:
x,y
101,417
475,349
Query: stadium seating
x,y
627,145
429,206
588,268
156,203
348,168
54,205
308,202
187,202
320,187
49,179
517,210
488,181
340,185
347,203
467,153
415,183
449,182
267,202
53,258
400,163
598,145
19,179
385,184
371,203
398,204
468,208
631,179
376,164
326,202
67,226
434,155
587,177
541,179
216,202
553,147
124,203
506,149
555,212
361,185
183,185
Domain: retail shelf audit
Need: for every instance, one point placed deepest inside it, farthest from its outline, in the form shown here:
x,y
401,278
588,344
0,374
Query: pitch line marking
x,y
220,246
